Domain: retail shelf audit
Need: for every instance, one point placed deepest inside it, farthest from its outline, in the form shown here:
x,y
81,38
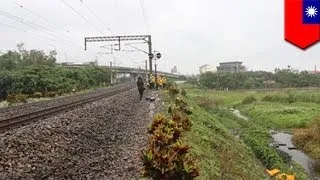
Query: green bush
x,y
44,79
249,99
258,80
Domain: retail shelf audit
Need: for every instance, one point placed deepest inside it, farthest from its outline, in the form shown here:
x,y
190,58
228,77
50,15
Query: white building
x,y
207,68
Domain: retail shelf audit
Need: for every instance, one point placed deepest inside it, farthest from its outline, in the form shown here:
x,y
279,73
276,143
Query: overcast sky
x,y
188,33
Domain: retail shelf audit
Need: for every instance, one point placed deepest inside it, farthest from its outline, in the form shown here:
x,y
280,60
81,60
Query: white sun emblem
x,y
311,11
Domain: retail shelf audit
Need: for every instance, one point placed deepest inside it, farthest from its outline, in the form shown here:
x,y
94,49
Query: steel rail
x,y
20,120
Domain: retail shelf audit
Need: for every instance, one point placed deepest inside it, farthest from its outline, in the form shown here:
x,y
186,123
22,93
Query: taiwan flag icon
x,y
302,22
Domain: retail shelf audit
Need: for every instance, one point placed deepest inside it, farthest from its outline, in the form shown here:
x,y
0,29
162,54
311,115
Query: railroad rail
x,y
20,120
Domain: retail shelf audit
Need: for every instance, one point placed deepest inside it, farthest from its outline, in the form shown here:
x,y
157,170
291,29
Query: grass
x,y
294,111
255,140
221,155
308,139
277,115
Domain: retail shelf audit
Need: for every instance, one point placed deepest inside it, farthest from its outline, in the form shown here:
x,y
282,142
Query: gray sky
x,y
188,33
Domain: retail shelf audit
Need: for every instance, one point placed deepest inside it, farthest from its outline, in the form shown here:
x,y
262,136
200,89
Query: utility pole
x,y
155,74
150,57
156,57
111,72
146,71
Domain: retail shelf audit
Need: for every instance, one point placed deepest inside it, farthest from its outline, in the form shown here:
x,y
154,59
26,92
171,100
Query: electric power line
x,y
12,27
51,33
81,16
144,16
37,15
46,20
36,36
92,12
28,23
35,26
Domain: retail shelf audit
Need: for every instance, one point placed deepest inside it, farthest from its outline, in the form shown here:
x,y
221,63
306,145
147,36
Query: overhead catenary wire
x,y
79,14
28,23
36,26
43,31
39,16
12,27
49,23
22,30
92,12
34,35
144,16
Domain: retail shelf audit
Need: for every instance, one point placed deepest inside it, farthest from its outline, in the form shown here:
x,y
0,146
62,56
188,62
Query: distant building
x,y
231,67
174,70
207,68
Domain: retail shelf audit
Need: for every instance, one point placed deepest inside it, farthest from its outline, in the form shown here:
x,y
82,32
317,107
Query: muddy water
x,y
297,155
284,140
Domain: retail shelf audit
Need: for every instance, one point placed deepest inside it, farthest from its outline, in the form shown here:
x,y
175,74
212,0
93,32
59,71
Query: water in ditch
x,y
283,142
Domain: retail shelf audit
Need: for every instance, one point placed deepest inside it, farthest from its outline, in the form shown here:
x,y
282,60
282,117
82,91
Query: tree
x,y
13,60
258,79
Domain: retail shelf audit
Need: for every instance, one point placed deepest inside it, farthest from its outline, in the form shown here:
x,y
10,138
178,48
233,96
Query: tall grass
x,y
309,139
293,96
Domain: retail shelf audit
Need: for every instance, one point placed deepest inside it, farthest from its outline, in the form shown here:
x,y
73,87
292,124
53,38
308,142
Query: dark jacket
x,y
140,85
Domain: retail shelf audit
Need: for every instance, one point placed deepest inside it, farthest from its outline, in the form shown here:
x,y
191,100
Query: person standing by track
x,y
141,88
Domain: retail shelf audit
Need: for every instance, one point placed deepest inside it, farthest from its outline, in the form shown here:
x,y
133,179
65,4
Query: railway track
x,y
19,120
34,106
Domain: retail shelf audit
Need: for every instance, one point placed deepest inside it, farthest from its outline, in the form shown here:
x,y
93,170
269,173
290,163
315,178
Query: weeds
x,y
17,98
206,102
249,99
308,139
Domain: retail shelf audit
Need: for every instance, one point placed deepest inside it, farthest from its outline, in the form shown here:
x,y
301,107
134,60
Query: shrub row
x,y
42,81
256,80
166,156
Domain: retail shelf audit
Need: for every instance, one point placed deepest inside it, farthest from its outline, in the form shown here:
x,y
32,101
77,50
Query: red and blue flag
x,y
302,22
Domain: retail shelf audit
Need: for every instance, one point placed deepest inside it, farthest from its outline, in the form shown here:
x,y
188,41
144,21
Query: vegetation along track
x,y
35,106
19,120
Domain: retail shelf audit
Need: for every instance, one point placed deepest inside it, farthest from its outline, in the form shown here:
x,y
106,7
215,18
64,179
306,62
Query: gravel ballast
x,y
25,108
101,140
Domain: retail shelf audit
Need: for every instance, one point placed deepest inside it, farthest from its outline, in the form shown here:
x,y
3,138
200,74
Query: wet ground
x,y
284,142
